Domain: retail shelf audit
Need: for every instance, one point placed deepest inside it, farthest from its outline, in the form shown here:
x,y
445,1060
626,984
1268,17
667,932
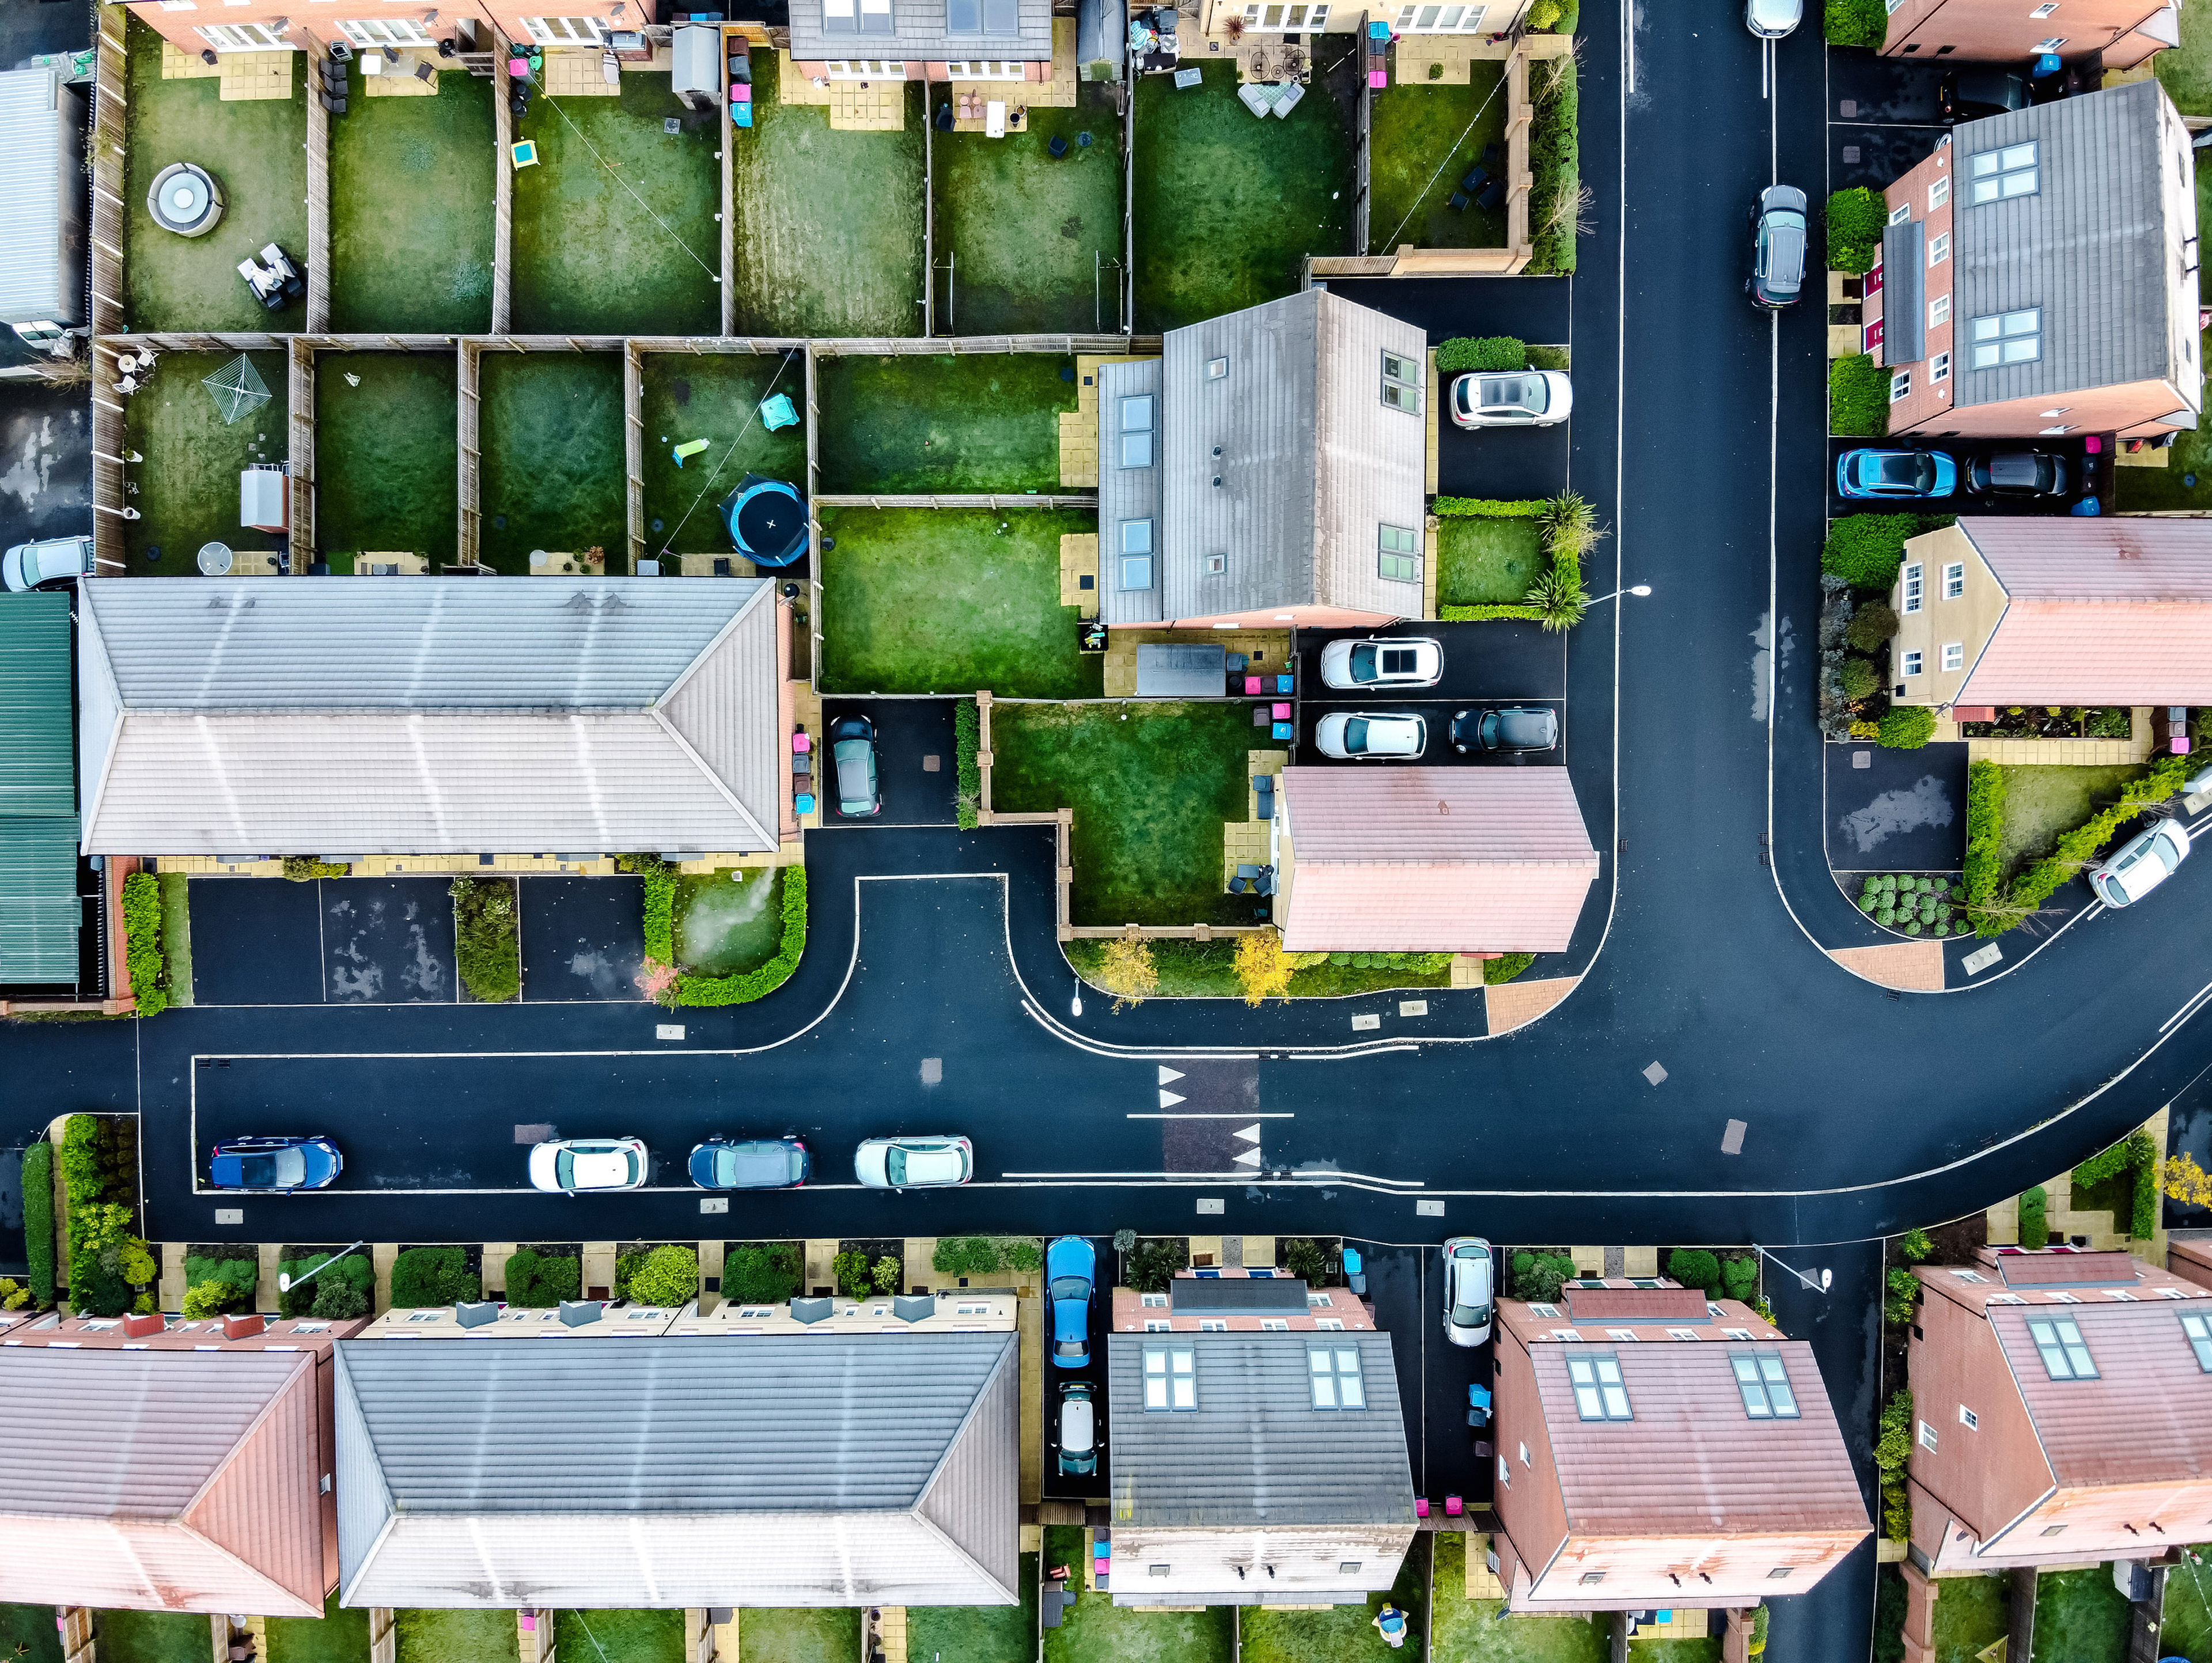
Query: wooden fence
x,y
502,192
469,410
299,385
319,196
834,500
633,450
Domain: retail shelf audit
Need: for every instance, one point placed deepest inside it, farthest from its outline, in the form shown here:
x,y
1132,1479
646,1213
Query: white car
x,y
1381,661
2143,862
572,1166
1370,735
1470,1290
1516,398
1770,20
33,565
913,1162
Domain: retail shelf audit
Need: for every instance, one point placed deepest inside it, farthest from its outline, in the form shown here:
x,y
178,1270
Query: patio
x,y
956,425
614,227
387,473
1427,138
1228,204
552,434
182,110
808,200
715,396
412,217
187,486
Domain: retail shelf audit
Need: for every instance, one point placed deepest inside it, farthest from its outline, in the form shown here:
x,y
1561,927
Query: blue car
x,y
1896,473
1071,1266
274,1166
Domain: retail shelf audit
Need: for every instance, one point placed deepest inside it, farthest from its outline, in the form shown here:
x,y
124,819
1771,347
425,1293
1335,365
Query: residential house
x,y
2039,275
162,1465
2190,1257
1235,1300
1267,469
243,25
789,1469
1485,17
1655,1448
922,39
303,716
1430,860
2112,34
1256,1468
2062,1408
1992,612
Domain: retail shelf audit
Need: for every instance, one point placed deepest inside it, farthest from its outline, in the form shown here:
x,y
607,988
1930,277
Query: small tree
x,y
207,1299
1263,969
1915,1245
1906,727
669,1276
1872,623
853,1274
888,1275
2186,1181
1558,596
1124,970
1859,678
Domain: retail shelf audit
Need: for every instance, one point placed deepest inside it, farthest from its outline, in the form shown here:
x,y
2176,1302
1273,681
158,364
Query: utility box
x,y
264,503
696,64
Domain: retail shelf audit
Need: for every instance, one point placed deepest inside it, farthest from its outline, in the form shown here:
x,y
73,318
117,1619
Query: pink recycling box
x,y
1378,78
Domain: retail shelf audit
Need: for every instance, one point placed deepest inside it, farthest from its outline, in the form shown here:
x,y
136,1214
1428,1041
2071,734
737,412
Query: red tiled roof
x,y
2147,1418
2066,1270
1636,1304
1435,859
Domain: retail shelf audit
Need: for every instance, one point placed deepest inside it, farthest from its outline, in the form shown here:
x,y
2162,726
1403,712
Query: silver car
x,y
1470,1290
1384,661
1371,735
925,1162
1778,247
2142,864
56,559
1770,20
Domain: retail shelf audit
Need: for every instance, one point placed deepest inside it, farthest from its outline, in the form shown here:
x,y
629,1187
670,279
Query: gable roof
x,y
2097,611
1434,860
39,913
162,1480
2146,1418
1254,1451
297,716
921,29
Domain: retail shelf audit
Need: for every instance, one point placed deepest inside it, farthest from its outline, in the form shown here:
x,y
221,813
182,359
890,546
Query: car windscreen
x,y
1914,469
1363,662
895,1165
1532,728
564,1169
632,1165
257,1171
1069,1347
1069,1287
1355,735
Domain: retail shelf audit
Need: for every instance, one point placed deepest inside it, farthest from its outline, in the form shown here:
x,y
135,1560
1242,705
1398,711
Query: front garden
x,y
2018,854
539,1278
552,436
1423,140
1558,202
728,921
962,424
1094,1630
382,418
1209,970
2188,1630
672,984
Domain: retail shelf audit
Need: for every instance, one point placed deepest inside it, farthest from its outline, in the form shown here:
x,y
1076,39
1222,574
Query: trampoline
x,y
767,521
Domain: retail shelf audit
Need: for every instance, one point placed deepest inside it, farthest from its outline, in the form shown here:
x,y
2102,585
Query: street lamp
x,y
1076,1004
285,1281
1638,589
1828,1277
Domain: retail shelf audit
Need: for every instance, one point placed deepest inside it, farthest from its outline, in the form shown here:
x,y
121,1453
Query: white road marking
x,y
1241,1115
1169,1100
1250,1157
1250,1134
1168,1076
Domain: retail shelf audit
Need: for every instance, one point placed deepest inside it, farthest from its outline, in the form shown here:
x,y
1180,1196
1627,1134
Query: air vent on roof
x,y
578,1313
474,1313
913,1307
810,1310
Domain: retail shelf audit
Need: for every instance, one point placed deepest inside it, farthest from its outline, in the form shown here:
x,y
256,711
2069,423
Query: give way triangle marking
x,y
1169,1100
1168,1075
1250,1134
1250,1157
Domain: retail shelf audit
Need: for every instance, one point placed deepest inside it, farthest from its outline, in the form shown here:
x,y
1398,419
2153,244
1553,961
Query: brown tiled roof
x,y
2147,1418
1691,1462
1636,1304
2067,1270
1435,859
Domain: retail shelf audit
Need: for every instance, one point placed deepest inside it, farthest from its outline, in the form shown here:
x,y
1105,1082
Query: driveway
x,y
1505,464
45,456
1438,713
387,941
2086,475
583,939
1534,308
255,941
1072,1487
914,768
1502,661
1897,810
1881,117
1433,1374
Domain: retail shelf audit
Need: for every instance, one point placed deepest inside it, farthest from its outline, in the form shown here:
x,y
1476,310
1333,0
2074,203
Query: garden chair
x,y
424,71
1493,197
1237,886
1476,179
1458,202
1253,95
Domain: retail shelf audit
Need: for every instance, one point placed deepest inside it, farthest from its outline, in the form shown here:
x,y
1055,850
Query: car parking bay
x,y
1439,751
2088,475
1071,1486
916,771
1503,660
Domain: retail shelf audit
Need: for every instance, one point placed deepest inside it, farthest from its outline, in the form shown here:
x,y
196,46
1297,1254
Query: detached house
x,y
1658,1450
2039,275
2115,35
2054,611
1268,468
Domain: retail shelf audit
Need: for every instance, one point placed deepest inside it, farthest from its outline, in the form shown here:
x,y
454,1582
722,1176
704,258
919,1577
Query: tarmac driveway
x,y
1501,660
256,941
1896,810
387,941
583,939
914,768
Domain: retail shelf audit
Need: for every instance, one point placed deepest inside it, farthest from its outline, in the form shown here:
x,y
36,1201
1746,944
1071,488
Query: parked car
x,y
1777,243
1896,473
853,748
274,1166
755,1163
1968,94
1369,735
2142,864
1470,1290
1519,728
50,560
1771,19
1071,1266
1384,661
926,1162
2018,473
1518,398
573,1166
1078,1439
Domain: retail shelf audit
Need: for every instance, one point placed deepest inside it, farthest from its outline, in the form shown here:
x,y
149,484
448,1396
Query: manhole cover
x,y
1851,153
931,764
1861,759
536,1132
1848,108
1654,1073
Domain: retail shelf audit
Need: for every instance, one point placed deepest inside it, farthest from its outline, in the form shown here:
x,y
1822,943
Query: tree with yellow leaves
x,y
1124,970
2186,1181
1263,969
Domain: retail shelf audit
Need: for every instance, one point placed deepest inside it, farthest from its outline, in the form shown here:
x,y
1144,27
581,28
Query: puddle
x,y
1896,812
597,968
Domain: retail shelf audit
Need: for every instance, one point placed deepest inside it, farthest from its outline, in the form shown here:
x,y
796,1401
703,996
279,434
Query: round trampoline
x,y
185,198
767,521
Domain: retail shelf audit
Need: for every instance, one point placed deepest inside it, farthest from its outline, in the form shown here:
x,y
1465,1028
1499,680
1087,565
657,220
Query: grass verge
x,y
2041,802
1487,561
1342,1631
978,1634
944,425
1206,969
412,188
384,431
715,396
177,935
338,1635
1424,139
552,458
188,484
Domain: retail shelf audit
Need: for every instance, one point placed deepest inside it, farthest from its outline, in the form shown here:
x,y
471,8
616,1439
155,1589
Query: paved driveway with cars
x,y
915,761
1502,661
2086,475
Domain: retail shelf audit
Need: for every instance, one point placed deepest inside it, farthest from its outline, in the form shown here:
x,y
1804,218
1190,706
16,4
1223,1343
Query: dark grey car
x,y
1777,253
1522,727
853,749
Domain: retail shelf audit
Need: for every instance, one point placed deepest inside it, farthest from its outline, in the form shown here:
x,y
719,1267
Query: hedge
x,y
1858,397
752,984
538,1282
763,1273
487,944
2034,1226
98,1171
1985,813
1478,614
1483,508
2138,1151
1856,218
2078,847
668,1276
1893,1449
967,740
1505,968
1905,727
1866,549
142,942
1482,353
1856,23
1554,161
355,1272
423,1277
1539,1277
37,1179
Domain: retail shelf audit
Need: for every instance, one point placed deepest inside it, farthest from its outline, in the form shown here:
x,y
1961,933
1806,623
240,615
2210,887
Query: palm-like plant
x,y
1559,597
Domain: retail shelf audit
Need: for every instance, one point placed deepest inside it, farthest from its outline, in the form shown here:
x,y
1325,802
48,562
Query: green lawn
x,y
1480,561
2080,1617
825,1635
728,921
1707,1650
715,397
256,151
828,224
1424,139
2185,70
1031,241
978,1634
1971,1613
456,1636
614,229
2044,800
1466,1630
552,457
27,1633
412,185
2188,1631
153,1636
620,1636
1096,1630
1344,1631
339,1635
942,426
2136,490
1150,784
1227,205
1201,969
177,935
944,600
188,484
386,450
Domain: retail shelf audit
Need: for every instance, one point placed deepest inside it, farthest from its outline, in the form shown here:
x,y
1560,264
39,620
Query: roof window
x,y
1543,1310
1170,1379
1402,383
1335,1375
1137,431
1998,175
2200,1338
2065,1356
1764,1384
1601,1394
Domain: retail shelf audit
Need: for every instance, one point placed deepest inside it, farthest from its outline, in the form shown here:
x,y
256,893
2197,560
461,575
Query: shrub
x,y
355,1272
1904,1289
487,948
1860,679
1856,219
1905,727
431,1275
1871,624
338,1300
752,984
853,1273
889,1273
1263,969
207,1299
1740,1276
1555,198
2144,1224
1915,1245
1021,1255
762,1274
1302,1258
1153,1262
305,868
537,1282
1544,14
1126,970
1484,507
2076,848
142,942
1505,968
1539,1277
1695,1267
1858,397
1985,811
2034,1227
1856,23
38,1179
669,1275
224,1285
1893,1449
967,742
1558,597
1124,1239
1757,1643
1488,353
14,1296
1489,609
965,1255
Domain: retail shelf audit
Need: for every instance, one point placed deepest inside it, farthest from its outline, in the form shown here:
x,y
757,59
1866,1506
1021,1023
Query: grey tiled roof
x,y
1127,493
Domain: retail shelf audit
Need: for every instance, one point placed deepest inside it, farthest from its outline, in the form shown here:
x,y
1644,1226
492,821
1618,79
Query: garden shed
x,y
43,200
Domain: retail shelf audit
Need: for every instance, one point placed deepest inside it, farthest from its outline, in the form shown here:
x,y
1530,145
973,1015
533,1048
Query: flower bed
x,y
2054,722
1915,903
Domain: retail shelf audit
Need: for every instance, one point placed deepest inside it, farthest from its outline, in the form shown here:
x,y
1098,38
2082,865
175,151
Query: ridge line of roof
x,y
766,588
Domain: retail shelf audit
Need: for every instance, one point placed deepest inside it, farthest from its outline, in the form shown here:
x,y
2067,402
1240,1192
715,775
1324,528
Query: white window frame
x,y
1911,577
1171,1378
2043,11
1600,1393
1273,1325
1139,418
1955,579
866,69
1317,1302
244,37
1969,1419
1928,1437
1900,387
1284,17
2050,43
1155,1301
2002,174
2065,1354
562,32
989,69
1159,1325
1900,213
1939,248
2000,338
1403,382
1762,1381
1939,192
1954,656
1341,1389
1400,544
1330,1322
1939,367
1939,310
1912,667
2199,1332
378,31
180,5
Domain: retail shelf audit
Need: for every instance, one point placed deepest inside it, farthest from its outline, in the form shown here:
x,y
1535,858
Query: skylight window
x,y
1544,1310
1171,1378
2200,1338
1600,1393
1335,1375
1137,431
1764,1384
2065,1355
1402,383
1998,175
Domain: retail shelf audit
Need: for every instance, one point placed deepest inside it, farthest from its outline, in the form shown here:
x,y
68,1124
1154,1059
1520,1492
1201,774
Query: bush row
x,y
1736,1276
1867,549
1555,165
1856,23
537,1282
343,1288
99,1157
425,1277
1893,1449
142,943
984,1255
858,1276
763,1273
2076,848
1856,219
1985,811
1484,507
1858,397
2034,1222
1482,354
1482,614
487,946
214,1286
2138,1151
967,740
757,984
38,1179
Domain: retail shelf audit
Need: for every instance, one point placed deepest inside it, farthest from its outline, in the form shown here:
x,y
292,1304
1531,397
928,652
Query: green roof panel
x,y
38,907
